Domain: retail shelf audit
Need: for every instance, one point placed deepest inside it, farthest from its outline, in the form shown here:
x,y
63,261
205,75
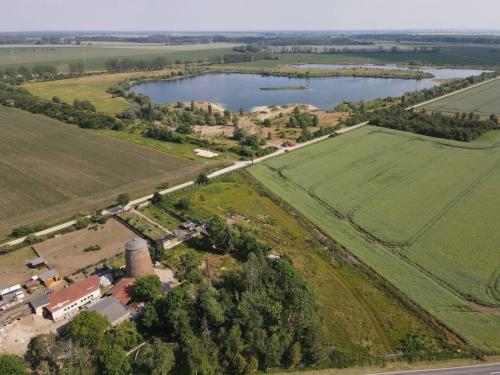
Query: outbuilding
x,y
49,277
38,303
36,262
112,309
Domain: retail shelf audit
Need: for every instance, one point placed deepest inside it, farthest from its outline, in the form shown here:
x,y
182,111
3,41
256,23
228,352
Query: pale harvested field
x,y
13,269
50,170
65,253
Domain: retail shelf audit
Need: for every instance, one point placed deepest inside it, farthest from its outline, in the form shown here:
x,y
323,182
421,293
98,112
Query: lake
x,y
235,90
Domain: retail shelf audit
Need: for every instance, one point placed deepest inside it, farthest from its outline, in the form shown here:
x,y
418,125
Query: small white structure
x,y
205,153
106,280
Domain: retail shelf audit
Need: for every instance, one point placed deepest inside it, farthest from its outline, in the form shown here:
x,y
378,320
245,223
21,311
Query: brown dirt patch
x,y
13,269
66,253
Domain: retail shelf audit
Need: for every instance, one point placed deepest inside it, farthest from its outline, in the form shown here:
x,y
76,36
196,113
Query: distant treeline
x,y
229,58
81,113
127,64
18,75
329,50
157,63
433,38
268,39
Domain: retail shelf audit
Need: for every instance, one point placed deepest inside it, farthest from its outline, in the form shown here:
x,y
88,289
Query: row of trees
x,y
463,128
18,75
127,64
241,57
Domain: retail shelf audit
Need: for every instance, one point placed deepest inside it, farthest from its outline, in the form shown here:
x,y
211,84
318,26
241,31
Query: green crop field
x,y
359,316
94,57
50,170
422,212
483,100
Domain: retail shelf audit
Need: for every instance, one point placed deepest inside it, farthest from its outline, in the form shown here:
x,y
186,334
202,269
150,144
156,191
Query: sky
x,y
248,15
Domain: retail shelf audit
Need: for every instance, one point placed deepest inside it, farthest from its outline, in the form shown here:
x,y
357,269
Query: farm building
x,y
36,262
11,296
112,309
123,290
32,285
49,277
68,301
38,303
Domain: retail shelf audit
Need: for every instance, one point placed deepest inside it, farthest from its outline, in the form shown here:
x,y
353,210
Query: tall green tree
x,y
88,328
155,358
112,360
147,287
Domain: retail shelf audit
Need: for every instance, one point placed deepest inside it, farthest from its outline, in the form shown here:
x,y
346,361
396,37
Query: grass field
x,y
483,100
185,150
358,316
52,170
66,253
92,88
422,212
94,57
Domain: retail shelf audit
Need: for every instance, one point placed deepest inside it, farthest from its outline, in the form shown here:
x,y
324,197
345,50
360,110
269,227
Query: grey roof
x,y
48,275
111,308
36,261
136,244
40,301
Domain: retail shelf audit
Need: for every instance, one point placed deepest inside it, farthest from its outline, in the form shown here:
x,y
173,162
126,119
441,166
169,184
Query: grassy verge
x,y
184,150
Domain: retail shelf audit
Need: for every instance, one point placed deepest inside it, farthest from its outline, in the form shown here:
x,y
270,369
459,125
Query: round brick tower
x,y
137,258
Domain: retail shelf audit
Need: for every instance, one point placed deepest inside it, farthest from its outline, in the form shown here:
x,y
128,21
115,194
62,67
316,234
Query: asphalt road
x,y
490,369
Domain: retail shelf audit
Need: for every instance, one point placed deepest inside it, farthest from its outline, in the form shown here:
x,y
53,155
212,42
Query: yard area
x,y
13,269
67,253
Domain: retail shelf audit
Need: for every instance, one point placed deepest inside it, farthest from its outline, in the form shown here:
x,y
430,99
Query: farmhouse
x,y
112,309
68,301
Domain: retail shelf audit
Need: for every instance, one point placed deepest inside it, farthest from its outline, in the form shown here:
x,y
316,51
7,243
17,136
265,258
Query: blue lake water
x,y
234,90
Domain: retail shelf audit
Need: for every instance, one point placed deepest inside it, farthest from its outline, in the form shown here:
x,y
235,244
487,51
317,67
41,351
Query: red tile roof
x,y
123,290
72,293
